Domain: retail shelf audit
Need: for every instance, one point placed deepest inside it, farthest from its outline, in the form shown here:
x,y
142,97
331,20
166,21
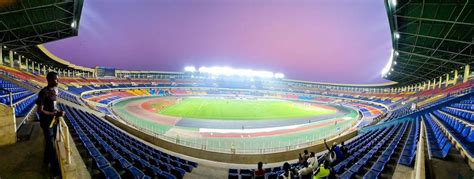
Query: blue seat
x,y
233,176
371,174
166,175
178,172
470,138
124,163
110,173
271,175
101,162
378,166
355,168
135,173
444,152
346,175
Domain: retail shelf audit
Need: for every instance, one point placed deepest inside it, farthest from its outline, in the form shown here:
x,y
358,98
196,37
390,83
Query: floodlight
x,y
73,24
189,69
279,75
394,3
388,66
397,35
228,71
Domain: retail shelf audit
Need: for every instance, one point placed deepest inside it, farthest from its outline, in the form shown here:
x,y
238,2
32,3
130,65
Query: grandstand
x,y
215,122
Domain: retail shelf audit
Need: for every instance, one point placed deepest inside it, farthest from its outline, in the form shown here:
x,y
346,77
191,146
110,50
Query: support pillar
x,y
464,79
32,66
10,59
19,62
455,77
44,69
429,84
1,54
447,80
440,81
26,64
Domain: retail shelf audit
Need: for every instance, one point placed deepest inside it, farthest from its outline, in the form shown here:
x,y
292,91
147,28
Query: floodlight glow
x,y
279,75
73,24
388,66
228,71
397,35
190,69
394,3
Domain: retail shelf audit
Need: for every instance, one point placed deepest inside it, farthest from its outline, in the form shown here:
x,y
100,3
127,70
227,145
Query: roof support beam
x,y
451,28
40,23
435,20
436,38
33,8
26,38
428,57
426,48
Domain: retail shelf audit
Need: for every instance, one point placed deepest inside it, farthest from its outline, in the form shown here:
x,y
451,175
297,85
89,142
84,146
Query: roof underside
x,y
27,23
435,37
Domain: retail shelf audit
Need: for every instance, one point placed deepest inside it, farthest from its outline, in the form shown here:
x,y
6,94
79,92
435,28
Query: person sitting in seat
x,y
260,172
312,161
305,171
303,158
344,149
286,171
322,171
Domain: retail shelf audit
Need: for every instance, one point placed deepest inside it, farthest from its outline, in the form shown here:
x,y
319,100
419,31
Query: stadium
x,y
176,89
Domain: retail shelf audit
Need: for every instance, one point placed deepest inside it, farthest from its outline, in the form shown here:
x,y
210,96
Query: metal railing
x,y
63,136
249,145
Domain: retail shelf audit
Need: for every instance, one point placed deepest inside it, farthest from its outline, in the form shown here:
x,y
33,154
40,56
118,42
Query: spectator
x,y
323,171
312,161
344,149
335,152
48,111
286,171
305,170
260,172
303,158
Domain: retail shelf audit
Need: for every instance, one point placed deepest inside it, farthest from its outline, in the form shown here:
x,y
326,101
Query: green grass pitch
x,y
238,109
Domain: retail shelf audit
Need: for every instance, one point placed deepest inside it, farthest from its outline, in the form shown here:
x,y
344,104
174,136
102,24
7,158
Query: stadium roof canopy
x,y
25,24
430,38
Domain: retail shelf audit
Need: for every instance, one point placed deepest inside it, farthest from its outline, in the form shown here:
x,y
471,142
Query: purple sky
x,y
340,41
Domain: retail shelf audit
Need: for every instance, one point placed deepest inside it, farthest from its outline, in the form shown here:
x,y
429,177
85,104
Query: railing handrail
x,y
63,136
420,155
262,150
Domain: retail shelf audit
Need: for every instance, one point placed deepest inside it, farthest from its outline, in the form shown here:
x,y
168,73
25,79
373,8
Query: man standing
x,y
47,111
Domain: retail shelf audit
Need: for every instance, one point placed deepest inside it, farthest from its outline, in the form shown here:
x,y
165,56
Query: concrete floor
x,y
453,166
24,159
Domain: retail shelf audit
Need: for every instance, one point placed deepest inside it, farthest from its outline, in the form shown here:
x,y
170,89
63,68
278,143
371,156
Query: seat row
x,y
114,151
